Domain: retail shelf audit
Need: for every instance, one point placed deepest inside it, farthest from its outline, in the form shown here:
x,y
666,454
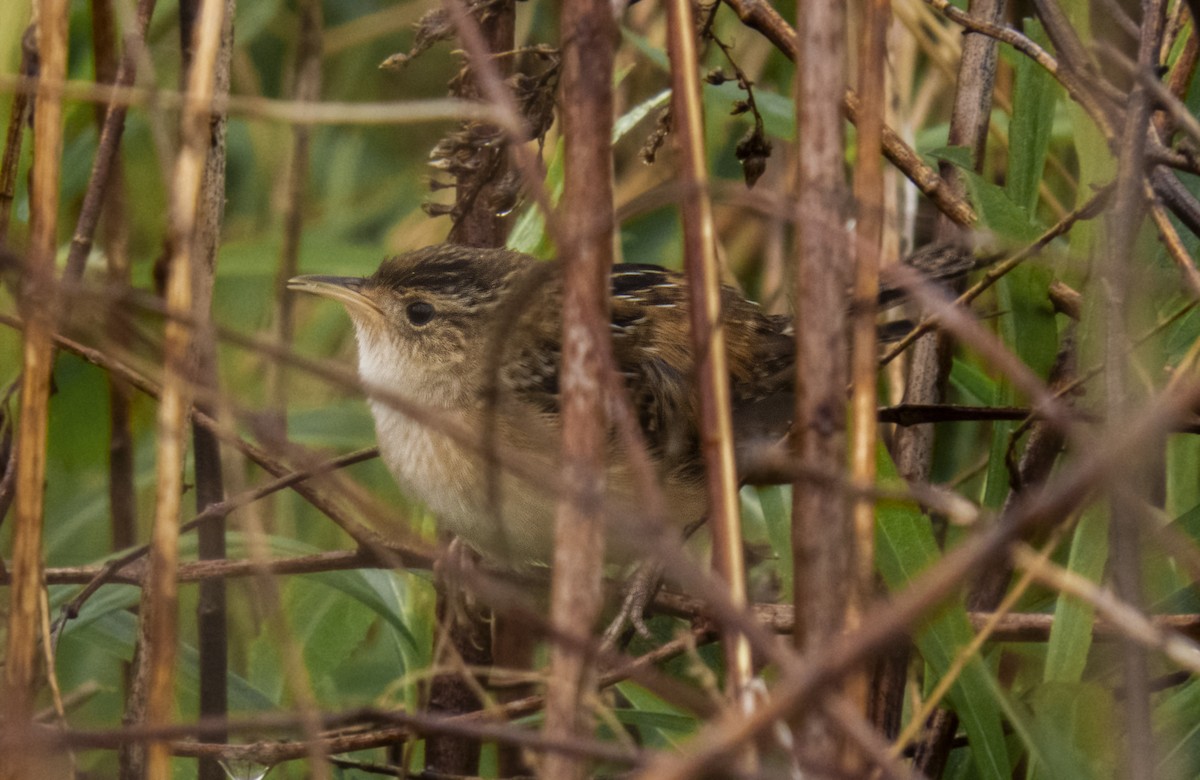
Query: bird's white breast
x,y
494,513
451,479
502,515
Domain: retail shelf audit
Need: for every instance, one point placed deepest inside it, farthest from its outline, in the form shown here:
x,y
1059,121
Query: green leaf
x,y
778,112
1069,732
338,425
998,485
1028,322
905,547
773,504
656,54
1178,728
1189,523
254,18
663,721
1170,588
998,211
1071,633
1035,98
373,588
1097,167
529,233
108,599
662,725
975,386
1182,335
116,631
330,630
955,155
633,116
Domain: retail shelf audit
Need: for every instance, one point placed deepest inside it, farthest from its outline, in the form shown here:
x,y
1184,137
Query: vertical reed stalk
x,y
588,38
39,306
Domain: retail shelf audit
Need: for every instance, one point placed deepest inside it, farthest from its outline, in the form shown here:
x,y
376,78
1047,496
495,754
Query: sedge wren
x,y
472,332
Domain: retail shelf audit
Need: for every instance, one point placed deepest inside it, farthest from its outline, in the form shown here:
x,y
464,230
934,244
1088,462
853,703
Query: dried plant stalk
x,y
109,144
870,198
271,109
929,364
307,89
589,41
1131,493
708,334
822,532
763,17
488,34
39,304
211,612
159,632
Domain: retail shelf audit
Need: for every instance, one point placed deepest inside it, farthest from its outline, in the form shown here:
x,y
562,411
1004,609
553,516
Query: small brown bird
x,y
475,335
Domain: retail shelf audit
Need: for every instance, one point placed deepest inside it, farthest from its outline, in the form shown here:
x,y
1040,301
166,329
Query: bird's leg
x,y
455,564
637,595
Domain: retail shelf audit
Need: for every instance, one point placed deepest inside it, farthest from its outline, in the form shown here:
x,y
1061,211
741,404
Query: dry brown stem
x,y
864,356
293,112
708,336
108,146
160,603
588,39
816,671
39,300
761,16
823,537
1118,285
17,118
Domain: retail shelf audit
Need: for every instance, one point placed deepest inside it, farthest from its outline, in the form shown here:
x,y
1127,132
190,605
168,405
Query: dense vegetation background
x,y
341,641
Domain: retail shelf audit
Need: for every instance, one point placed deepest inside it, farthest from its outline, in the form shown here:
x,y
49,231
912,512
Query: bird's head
x,y
426,319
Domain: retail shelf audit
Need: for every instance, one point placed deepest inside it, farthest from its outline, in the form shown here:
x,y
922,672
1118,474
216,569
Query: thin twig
x,y
1126,620
291,112
822,530
407,554
211,608
215,511
197,571
819,669
353,730
1077,88
1088,210
761,16
107,147
18,117
1172,242
1120,393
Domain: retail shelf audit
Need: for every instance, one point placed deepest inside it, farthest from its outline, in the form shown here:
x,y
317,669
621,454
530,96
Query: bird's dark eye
x,y
419,312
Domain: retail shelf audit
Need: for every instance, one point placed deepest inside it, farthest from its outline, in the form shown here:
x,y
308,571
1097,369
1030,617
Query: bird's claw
x,y
638,593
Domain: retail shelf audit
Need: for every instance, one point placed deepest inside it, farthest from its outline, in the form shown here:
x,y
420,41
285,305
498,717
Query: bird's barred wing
x,y
650,326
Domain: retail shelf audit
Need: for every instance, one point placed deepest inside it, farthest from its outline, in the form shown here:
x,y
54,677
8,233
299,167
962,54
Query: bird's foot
x,y
637,594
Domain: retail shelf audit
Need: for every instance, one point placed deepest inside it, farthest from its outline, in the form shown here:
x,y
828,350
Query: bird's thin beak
x,y
346,289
